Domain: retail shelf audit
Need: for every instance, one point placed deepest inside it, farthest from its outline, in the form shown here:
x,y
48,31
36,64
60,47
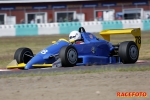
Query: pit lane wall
x,y
66,28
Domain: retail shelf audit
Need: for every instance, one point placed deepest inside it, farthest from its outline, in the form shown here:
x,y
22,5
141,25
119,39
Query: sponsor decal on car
x,y
91,36
93,49
44,51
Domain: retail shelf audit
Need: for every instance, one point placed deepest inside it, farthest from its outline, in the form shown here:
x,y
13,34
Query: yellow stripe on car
x,y
42,65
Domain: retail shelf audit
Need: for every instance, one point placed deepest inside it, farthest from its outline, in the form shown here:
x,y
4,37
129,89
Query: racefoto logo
x,y
131,94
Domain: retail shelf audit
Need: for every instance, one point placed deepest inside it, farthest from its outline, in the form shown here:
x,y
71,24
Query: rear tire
x,y
128,52
68,56
23,55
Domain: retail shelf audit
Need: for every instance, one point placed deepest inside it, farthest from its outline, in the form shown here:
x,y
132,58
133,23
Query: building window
x,y
36,17
104,15
2,19
134,13
65,16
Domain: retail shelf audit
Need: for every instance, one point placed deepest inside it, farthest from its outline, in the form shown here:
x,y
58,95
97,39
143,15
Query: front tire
x,y
68,56
128,52
23,55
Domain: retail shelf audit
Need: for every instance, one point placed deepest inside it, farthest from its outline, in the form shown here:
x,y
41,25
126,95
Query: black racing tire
x,y
21,55
128,52
68,56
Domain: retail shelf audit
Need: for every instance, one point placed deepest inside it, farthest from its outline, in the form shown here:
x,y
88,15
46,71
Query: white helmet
x,y
74,35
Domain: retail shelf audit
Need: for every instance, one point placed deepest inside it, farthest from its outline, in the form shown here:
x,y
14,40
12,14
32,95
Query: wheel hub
x,y
72,56
133,52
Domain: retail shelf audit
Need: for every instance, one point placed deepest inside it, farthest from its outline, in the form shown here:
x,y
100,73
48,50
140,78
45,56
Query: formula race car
x,y
63,53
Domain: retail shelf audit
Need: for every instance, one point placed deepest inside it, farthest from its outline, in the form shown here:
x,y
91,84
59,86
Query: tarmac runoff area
x,y
139,63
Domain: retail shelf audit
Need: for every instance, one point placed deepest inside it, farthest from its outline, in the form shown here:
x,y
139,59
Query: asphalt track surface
x,y
76,68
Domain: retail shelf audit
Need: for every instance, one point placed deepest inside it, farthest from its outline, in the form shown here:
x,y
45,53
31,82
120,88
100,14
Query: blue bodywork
x,y
93,51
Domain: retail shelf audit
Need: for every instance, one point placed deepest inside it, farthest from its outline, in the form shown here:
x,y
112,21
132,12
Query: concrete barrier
x,y
112,24
26,29
92,26
146,25
7,30
66,28
132,24
48,29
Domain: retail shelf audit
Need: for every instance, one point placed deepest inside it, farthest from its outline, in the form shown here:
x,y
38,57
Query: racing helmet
x,y
74,36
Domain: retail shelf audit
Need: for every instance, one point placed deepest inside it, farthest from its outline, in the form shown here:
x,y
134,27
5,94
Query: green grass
x,y
8,45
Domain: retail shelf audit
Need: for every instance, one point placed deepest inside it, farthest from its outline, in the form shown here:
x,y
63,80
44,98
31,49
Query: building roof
x,y
38,1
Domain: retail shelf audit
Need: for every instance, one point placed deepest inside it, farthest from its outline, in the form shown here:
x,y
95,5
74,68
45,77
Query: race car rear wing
x,y
136,32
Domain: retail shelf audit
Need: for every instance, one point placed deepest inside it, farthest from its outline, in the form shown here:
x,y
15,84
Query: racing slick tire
x,y
23,55
68,56
128,52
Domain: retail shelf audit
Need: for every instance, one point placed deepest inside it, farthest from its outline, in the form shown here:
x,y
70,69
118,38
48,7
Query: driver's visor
x,y
72,37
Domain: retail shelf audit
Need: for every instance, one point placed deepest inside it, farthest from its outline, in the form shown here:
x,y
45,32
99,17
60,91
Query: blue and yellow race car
x,y
63,53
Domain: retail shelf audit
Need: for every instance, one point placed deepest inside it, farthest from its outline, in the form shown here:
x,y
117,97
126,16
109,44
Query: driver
x,y
75,37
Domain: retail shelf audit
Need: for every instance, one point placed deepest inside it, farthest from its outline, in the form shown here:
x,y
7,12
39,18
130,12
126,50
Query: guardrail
x,y
67,27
